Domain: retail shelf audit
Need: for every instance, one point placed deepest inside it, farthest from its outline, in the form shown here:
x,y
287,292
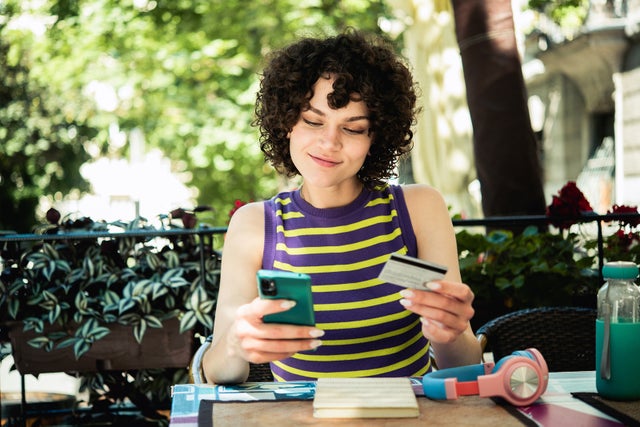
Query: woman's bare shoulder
x,y
246,225
426,205
249,212
422,194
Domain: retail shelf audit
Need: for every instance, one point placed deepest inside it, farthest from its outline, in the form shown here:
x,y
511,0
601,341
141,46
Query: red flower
x,y
621,241
623,209
570,202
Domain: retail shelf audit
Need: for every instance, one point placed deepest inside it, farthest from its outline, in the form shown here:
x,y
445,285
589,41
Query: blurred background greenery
x,y
83,80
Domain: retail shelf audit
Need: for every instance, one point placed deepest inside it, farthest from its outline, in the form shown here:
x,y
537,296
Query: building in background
x,y
584,98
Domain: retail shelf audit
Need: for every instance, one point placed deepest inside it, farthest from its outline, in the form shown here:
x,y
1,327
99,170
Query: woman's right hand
x,y
258,342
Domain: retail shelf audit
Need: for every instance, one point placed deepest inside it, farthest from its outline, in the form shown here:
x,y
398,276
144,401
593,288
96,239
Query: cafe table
x,y
471,411
557,407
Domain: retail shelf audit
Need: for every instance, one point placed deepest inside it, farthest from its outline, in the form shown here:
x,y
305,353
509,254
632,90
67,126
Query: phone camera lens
x,y
268,287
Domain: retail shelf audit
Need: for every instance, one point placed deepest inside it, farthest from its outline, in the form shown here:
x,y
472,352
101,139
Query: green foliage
x,y
621,246
566,13
535,268
71,291
40,147
136,281
183,72
508,271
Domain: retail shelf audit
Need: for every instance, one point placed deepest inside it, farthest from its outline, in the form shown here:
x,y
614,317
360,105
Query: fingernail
x,y
316,343
425,321
288,304
405,302
434,286
406,293
315,333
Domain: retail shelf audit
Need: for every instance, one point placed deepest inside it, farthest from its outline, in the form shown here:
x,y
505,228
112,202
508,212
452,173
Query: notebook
x,y
365,398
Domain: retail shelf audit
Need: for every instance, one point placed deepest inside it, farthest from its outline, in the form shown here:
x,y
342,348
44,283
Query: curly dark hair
x,y
364,67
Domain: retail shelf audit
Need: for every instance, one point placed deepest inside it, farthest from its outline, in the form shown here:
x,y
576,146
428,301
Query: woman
x,y
338,112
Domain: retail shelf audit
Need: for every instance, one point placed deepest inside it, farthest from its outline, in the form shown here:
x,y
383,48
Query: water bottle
x,y
618,333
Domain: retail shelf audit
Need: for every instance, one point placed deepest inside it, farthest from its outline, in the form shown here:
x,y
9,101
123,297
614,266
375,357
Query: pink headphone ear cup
x,y
519,385
537,356
519,379
533,354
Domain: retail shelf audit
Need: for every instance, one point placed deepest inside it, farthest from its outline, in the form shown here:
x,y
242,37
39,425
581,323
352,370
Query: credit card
x,y
411,272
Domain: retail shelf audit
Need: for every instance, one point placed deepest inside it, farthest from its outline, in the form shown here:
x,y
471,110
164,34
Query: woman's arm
x,y
241,258
445,311
239,335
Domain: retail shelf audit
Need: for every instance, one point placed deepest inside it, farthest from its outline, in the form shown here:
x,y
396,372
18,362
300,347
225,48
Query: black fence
x,y
205,233
518,222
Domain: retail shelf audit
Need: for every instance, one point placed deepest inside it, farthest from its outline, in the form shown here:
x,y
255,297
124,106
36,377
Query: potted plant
x,y
544,266
118,302
624,243
509,271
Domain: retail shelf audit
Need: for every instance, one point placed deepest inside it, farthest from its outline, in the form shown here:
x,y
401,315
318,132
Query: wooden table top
x,y
465,411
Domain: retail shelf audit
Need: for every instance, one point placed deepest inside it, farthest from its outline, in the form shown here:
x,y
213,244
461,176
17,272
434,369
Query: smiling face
x,y
329,146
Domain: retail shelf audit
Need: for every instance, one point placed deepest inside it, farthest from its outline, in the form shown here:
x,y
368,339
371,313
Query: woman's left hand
x,y
445,309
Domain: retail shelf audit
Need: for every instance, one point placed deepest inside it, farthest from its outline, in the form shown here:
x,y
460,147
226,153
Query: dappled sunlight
x,y
442,154
121,189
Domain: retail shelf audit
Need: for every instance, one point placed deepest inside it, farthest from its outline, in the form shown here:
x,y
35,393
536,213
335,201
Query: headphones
x,y
519,378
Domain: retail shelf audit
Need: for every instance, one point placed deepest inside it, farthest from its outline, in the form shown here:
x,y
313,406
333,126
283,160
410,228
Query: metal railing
x,y
543,220
205,231
201,232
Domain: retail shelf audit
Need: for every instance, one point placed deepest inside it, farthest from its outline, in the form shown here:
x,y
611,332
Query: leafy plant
x,y
544,267
93,275
624,244
509,271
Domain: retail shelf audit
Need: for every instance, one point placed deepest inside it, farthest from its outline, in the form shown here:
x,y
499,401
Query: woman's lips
x,y
324,162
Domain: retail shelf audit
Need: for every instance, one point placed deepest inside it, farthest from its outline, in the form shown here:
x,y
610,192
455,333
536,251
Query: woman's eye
x,y
355,131
347,130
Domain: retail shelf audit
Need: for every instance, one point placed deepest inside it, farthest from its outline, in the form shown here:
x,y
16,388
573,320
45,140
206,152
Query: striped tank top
x,y
368,332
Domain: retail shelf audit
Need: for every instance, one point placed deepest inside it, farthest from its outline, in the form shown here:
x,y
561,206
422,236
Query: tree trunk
x,y
505,146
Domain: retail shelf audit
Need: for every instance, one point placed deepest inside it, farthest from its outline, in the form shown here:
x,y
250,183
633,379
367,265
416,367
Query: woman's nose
x,y
331,137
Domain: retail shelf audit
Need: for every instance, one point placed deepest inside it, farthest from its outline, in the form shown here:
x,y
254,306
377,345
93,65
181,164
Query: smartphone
x,y
276,284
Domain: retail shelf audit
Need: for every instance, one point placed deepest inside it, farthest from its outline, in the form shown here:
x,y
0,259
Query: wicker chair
x,y
260,372
564,335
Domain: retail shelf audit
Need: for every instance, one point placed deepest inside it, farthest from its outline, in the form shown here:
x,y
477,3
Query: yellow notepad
x,y
365,398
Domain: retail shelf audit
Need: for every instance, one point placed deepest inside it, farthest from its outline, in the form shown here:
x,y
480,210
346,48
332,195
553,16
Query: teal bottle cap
x,y
620,270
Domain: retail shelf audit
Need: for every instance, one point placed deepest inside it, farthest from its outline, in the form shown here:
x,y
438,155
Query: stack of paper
x,y
365,398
